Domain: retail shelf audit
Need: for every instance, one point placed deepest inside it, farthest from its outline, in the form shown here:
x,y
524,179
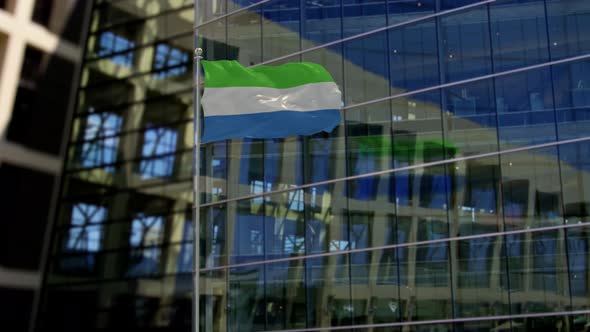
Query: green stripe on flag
x,y
230,73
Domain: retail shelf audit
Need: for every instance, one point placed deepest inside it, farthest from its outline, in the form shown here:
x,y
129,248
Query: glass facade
x,y
454,195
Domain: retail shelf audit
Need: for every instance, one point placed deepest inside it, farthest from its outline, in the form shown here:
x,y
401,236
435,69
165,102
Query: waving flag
x,y
268,101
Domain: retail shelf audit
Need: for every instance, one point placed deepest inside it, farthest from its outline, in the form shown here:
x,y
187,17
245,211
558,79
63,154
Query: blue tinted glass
x,y
451,4
321,23
370,150
366,71
525,108
248,154
249,232
519,34
362,15
280,28
404,10
569,24
413,57
572,98
471,122
466,44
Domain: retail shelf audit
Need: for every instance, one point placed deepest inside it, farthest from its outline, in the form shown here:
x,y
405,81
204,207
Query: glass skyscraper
x,y
454,195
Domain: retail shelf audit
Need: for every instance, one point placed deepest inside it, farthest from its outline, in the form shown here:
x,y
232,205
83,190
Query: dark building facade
x,y
454,195
40,57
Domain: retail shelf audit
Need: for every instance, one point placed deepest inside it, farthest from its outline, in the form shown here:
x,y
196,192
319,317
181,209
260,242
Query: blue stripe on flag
x,y
269,125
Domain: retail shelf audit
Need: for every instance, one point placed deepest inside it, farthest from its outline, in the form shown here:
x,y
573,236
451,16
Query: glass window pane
x,y
213,304
328,291
575,177
158,146
572,98
417,129
369,150
244,33
405,10
427,294
285,295
366,70
376,286
475,198
413,57
478,271
537,269
363,15
524,102
470,118
519,34
569,22
280,28
531,189
465,44
213,41
578,250
321,22
246,290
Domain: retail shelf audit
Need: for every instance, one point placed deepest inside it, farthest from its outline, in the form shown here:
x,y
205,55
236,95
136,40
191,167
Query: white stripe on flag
x,y
250,100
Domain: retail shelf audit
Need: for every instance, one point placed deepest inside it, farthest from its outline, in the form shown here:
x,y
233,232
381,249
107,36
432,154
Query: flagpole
x,y
196,195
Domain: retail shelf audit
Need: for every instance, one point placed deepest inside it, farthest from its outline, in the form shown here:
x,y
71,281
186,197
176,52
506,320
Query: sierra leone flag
x,y
268,101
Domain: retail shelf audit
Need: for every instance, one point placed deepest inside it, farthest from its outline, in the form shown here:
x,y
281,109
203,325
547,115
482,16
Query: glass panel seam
x,y
397,246
400,169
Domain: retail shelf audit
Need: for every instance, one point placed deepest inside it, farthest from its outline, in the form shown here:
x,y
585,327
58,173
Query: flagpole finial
x,y
198,52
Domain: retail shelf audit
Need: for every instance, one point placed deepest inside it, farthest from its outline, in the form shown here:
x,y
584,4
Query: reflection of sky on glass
x,y
158,141
99,151
86,230
111,43
167,56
